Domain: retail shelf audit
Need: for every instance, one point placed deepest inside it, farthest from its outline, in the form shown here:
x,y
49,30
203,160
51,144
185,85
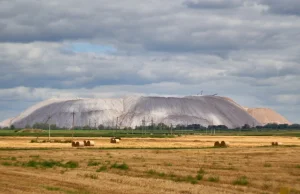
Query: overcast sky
x,y
246,50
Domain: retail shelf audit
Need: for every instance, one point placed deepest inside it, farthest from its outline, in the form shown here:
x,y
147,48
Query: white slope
x,y
130,111
60,112
6,123
204,110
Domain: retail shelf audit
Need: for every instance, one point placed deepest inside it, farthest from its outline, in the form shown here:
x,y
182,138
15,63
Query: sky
x,y
247,50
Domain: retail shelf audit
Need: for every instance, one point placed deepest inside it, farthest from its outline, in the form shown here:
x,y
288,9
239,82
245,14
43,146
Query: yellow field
x,y
249,165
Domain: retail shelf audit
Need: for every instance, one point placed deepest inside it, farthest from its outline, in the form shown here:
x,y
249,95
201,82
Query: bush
x,y
101,169
201,171
241,181
123,166
31,163
213,179
50,164
93,163
92,176
6,164
199,177
71,164
191,179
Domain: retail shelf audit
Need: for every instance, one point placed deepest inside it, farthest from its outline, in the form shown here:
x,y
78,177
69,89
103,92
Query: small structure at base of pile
x,y
114,140
275,143
77,143
223,144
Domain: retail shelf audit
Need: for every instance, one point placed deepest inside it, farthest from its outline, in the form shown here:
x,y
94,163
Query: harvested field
x,y
249,165
178,142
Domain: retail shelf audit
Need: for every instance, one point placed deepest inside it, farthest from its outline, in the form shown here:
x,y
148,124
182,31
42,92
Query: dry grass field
x,y
177,165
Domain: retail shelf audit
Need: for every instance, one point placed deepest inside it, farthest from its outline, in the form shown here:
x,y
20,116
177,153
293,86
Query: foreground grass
x,y
158,170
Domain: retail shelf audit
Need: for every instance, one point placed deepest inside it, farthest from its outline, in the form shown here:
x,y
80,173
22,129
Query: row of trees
x,y
162,126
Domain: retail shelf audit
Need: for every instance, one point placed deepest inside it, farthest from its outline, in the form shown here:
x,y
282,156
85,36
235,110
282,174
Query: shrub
x,y
153,172
213,179
102,168
52,188
191,179
71,164
6,164
122,166
50,164
201,171
199,177
92,176
267,165
93,163
241,181
31,163
13,158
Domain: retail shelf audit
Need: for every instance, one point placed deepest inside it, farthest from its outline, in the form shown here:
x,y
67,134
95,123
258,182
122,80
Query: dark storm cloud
x,y
286,7
213,4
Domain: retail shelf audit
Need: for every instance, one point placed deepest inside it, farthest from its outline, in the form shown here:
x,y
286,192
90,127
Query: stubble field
x,y
186,164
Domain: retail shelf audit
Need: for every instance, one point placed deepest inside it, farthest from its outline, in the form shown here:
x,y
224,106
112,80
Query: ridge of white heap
x,y
130,111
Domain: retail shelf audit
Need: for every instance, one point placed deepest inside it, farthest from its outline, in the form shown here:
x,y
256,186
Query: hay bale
x,y
90,143
217,144
273,143
279,143
114,140
119,138
73,144
85,143
79,144
224,144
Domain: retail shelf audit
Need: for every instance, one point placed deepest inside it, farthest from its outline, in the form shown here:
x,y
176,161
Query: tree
x,y
246,126
101,127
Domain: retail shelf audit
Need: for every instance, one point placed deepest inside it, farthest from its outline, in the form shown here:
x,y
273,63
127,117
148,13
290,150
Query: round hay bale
x,y
279,143
217,144
119,138
112,140
85,142
224,144
79,144
73,144
90,143
273,143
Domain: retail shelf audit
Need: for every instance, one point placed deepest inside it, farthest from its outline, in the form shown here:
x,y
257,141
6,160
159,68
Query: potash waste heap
x,y
132,111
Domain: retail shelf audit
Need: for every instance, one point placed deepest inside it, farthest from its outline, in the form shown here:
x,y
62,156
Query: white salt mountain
x,y
131,111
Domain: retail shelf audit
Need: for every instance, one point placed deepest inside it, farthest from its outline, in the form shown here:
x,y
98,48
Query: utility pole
x,y
49,132
49,127
143,124
117,123
152,123
73,124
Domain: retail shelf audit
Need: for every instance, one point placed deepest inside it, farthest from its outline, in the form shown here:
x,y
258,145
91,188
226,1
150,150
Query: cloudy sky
x,y
246,50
